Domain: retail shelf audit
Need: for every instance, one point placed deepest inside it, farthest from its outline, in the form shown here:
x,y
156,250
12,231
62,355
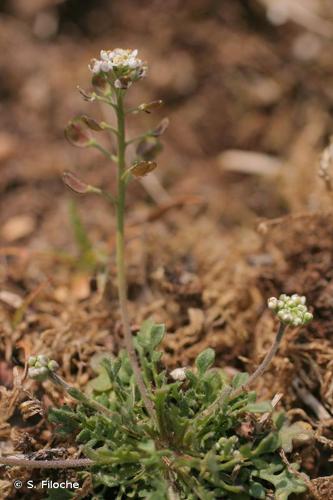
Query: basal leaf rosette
x,y
290,310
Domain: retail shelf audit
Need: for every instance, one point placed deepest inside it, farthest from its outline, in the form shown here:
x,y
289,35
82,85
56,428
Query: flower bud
x,y
272,303
39,374
308,317
53,366
290,310
41,367
42,360
32,360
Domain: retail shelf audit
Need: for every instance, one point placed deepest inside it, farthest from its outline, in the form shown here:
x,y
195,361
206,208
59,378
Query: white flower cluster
x,y
291,310
40,367
123,64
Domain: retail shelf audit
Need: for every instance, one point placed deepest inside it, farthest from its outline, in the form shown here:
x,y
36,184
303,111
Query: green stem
x,y
120,258
79,396
264,364
226,392
139,138
105,152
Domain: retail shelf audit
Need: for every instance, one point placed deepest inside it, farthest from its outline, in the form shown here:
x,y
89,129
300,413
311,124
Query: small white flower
x,y
105,66
104,55
95,66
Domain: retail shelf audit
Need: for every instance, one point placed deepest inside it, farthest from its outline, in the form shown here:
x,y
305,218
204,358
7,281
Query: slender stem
x,y
105,152
139,138
79,396
265,362
107,126
46,464
226,392
107,100
120,258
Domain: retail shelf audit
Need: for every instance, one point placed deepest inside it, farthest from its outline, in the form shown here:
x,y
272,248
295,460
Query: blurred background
x,y
248,88
254,76
250,75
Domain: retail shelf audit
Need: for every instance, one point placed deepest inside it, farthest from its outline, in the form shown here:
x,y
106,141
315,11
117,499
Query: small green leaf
x,y
101,383
257,490
261,407
205,360
65,417
96,361
290,432
150,335
268,444
285,482
239,380
157,333
279,419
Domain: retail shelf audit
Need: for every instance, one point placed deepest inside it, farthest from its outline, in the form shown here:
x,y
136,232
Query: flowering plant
x,y
145,433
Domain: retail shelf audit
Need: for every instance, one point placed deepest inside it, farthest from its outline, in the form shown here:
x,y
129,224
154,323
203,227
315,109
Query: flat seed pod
x,y
77,134
87,96
150,106
100,83
142,168
148,148
161,127
74,183
91,123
